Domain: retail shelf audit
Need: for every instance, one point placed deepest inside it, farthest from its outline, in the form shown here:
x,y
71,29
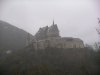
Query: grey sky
x,y
75,18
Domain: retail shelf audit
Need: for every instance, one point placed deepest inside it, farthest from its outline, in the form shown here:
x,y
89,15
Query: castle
x,y
49,37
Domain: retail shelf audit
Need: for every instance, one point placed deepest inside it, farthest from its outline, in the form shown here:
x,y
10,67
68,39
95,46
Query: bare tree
x,y
98,29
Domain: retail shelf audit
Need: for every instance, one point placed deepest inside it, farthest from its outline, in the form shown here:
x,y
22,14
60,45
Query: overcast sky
x,y
75,18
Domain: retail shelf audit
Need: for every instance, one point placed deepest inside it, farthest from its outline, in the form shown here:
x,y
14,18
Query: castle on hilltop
x,y
49,37
47,32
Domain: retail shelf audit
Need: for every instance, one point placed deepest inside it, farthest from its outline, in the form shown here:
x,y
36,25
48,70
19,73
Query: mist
x,y
74,18
49,37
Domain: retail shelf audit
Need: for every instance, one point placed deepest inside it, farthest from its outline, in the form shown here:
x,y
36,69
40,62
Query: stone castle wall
x,y
48,37
63,43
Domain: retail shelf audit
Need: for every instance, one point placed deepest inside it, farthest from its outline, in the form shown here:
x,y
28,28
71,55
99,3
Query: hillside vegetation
x,y
49,62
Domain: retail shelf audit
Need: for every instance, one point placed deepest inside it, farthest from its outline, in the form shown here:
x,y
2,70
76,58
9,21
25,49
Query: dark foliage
x,y
97,60
49,62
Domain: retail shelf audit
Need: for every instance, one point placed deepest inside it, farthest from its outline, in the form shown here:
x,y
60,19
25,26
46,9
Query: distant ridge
x,y
12,37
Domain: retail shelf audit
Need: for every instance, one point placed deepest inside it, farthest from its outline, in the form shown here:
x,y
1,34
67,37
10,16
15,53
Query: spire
x,y
53,22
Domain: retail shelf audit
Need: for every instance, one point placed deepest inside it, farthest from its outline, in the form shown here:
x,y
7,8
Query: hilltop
x,y
11,37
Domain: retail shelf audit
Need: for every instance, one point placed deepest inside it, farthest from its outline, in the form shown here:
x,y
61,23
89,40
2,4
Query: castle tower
x,y
53,30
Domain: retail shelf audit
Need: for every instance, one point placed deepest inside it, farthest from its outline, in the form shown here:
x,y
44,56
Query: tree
x,y
98,31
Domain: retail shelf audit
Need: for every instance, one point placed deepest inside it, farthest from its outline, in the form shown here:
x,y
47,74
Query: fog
x,y
75,18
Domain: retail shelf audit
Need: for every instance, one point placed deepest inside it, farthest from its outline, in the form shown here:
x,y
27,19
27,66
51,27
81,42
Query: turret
x,y
53,31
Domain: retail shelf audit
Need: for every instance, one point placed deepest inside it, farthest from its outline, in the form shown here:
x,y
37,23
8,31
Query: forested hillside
x,y
49,62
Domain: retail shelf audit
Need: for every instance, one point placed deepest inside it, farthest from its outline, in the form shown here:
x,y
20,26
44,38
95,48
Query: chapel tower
x,y
53,30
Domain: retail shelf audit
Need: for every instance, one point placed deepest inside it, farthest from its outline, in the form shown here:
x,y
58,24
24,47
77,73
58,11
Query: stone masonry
x,y
48,37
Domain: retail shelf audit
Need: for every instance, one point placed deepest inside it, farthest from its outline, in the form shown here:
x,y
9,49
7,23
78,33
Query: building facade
x,y
48,37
